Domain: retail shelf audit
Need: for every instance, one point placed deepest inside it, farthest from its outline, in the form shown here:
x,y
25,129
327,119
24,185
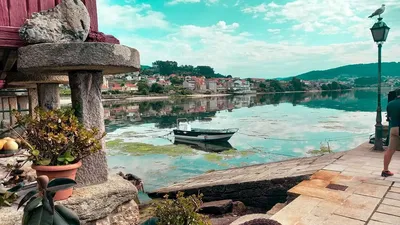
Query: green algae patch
x,y
140,149
225,155
213,157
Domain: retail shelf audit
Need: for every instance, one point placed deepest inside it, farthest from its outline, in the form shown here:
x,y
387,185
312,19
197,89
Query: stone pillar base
x,y
86,101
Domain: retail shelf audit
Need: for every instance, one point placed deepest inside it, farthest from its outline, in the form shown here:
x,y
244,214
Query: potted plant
x,y
56,142
40,207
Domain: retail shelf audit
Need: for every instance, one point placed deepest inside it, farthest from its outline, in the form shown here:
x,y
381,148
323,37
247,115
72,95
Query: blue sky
x,y
252,38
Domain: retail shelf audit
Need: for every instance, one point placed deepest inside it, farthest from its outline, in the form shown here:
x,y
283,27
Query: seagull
x,y
378,12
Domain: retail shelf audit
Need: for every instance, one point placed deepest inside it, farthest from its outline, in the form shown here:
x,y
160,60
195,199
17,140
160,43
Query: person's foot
x,y
386,173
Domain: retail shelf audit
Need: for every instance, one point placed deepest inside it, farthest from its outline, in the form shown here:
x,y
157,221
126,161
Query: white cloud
x,y
274,31
322,16
175,2
130,16
229,51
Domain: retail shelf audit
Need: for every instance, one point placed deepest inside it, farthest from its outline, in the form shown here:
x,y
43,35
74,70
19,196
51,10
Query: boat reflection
x,y
206,146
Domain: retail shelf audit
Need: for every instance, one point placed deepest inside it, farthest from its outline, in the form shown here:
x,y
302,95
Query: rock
x,y
249,217
276,208
135,180
67,22
101,201
126,214
261,222
238,208
217,207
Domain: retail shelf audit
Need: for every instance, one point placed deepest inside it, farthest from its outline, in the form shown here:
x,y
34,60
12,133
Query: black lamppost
x,y
379,32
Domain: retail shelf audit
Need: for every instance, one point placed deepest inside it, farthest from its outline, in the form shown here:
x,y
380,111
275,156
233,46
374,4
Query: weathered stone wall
x,y
110,203
260,194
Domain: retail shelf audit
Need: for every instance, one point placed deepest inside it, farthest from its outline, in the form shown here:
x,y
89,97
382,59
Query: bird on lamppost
x,y
378,12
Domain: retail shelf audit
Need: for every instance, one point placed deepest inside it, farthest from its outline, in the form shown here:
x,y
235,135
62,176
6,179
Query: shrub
x,y
56,137
181,211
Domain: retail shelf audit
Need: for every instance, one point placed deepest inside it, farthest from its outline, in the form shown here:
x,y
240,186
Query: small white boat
x,y
185,132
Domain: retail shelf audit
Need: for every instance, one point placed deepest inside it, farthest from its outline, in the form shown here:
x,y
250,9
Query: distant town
x,y
167,78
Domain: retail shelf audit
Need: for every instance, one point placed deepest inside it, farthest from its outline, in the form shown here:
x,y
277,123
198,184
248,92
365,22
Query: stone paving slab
x,y
385,218
340,220
377,223
393,195
388,209
372,190
391,202
358,207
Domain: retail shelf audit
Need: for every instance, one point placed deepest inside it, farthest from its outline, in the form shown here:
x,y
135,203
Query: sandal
x,y
387,173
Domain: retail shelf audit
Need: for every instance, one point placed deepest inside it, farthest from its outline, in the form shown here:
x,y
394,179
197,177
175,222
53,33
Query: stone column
x,y
86,101
49,96
83,63
33,100
23,104
13,103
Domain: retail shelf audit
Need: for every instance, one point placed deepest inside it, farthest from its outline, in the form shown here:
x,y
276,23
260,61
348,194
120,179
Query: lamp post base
x,y
378,145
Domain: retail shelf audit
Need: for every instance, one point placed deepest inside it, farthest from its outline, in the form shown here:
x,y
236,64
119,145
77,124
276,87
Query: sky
x,y
252,38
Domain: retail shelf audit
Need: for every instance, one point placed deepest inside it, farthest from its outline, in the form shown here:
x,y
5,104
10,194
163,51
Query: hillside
x,y
352,71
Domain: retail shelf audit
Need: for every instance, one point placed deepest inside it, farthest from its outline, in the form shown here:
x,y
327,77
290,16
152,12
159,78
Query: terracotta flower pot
x,y
67,171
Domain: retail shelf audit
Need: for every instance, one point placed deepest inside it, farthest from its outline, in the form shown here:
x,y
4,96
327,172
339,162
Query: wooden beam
x,y
9,58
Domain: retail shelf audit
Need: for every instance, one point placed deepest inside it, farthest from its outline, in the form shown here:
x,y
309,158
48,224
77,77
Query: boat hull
x,y
202,136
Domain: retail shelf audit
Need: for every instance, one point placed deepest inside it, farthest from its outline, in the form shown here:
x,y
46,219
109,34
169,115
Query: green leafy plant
x,y
40,207
182,210
56,137
7,197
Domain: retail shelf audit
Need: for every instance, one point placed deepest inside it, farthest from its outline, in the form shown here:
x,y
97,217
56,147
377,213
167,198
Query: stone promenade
x,y
337,189
349,191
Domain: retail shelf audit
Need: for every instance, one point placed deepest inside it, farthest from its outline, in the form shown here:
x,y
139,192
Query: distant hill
x,y
351,71
143,67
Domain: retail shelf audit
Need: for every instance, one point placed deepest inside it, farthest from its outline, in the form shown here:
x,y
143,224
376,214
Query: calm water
x,y
272,128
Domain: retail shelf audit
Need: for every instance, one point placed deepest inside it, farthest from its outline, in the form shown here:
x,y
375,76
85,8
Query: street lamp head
x,y
380,31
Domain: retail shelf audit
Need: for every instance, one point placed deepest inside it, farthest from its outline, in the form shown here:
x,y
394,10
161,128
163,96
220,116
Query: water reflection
x,y
206,146
164,113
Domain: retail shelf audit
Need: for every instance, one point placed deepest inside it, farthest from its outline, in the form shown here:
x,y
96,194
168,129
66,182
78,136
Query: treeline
x,y
145,89
334,86
166,68
276,86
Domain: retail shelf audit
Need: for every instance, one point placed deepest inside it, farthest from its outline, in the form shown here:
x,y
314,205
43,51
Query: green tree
x,y
157,88
276,85
262,85
165,67
297,84
176,81
335,86
206,71
143,88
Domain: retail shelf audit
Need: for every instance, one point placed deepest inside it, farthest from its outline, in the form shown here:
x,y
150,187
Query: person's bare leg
x,y
387,159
